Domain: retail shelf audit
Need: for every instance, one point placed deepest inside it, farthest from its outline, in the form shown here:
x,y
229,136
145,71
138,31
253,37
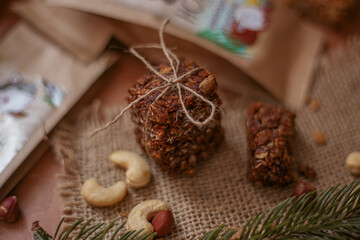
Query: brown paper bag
x,y
283,62
82,34
32,53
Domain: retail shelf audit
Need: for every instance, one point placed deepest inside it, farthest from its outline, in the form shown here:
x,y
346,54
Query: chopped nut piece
x,y
319,137
165,70
259,163
353,163
261,155
208,85
307,171
314,105
123,214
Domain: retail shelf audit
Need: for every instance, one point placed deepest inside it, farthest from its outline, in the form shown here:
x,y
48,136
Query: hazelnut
x,y
304,188
9,210
353,163
319,137
162,223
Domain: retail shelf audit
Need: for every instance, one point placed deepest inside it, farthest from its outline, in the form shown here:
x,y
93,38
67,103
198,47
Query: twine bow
x,y
171,81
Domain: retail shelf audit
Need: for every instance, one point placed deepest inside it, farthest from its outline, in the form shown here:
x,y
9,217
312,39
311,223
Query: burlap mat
x,y
219,191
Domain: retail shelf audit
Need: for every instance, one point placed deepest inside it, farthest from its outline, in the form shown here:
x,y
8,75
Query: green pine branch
x,y
333,214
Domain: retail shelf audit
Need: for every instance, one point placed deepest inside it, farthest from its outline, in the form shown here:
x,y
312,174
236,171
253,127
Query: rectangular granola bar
x,y
270,134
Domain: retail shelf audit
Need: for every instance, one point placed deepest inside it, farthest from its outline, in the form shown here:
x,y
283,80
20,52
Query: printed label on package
x,y
231,24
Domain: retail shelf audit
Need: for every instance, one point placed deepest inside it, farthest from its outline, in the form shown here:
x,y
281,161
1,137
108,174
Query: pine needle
x,y
58,227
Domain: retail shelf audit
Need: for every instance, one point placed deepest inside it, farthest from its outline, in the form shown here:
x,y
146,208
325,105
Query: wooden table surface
x,y
37,193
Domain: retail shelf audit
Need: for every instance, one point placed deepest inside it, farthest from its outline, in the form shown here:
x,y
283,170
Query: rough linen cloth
x,y
219,191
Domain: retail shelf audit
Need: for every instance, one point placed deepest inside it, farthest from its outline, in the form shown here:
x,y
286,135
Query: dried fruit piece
x,y
162,223
319,137
307,171
9,210
353,163
304,188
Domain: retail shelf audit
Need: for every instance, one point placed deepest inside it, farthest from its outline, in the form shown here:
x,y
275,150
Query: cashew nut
x,y
140,215
97,195
138,173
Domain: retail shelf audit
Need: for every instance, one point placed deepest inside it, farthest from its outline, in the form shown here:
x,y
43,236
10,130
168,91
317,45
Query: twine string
x,y
173,80
164,48
158,46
